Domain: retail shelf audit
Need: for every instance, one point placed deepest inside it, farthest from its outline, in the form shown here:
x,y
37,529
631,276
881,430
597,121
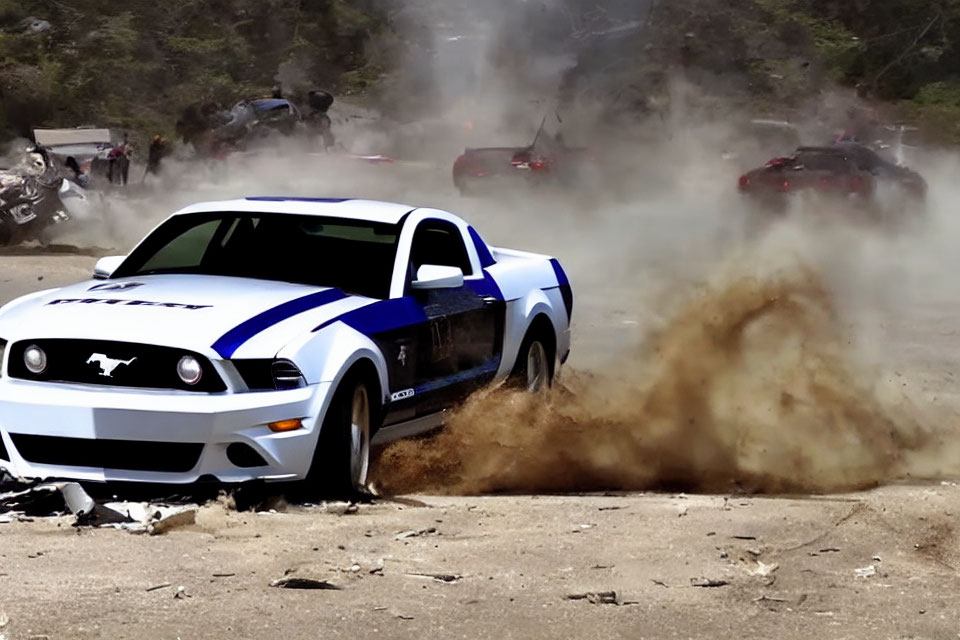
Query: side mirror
x,y
106,266
433,276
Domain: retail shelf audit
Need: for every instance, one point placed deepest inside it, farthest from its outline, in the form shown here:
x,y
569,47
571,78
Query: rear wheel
x,y
533,371
536,368
342,457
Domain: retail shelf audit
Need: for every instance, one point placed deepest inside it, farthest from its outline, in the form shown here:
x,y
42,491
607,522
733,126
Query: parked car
x,y
273,339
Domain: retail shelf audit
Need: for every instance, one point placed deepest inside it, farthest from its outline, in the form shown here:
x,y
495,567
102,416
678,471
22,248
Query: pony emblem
x,y
107,365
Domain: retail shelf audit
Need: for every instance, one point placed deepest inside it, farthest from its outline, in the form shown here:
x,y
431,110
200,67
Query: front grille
x,y
116,364
126,455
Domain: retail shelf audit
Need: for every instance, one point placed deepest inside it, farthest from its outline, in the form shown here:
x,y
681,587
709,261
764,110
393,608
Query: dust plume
x,y
751,386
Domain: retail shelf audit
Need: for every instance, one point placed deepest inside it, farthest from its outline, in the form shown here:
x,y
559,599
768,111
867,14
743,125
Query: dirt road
x,y
876,565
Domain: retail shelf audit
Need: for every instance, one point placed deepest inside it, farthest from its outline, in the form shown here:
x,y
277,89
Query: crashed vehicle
x,y
547,160
82,153
843,169
34,195
251,120
271,338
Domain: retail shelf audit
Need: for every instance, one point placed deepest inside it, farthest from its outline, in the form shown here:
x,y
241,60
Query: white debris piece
x,y
151,518
866,572
764,569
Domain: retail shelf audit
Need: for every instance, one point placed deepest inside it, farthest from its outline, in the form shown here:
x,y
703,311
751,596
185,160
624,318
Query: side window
x,y
441,243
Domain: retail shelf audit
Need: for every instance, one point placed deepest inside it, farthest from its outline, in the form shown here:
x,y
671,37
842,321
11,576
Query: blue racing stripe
x,y
382,316
295,199
486,287
560,273
227,345
483,251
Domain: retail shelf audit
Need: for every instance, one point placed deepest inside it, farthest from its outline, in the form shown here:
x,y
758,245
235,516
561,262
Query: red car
x,y
547,161
843,169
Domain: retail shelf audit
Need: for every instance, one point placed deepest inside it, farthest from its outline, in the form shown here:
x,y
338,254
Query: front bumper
x,y
54,430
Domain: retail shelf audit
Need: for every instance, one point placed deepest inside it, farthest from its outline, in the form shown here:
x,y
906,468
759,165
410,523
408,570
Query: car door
x,y
460,348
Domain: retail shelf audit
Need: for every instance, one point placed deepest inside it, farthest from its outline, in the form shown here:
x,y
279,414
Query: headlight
x,y
35,359
286,375
189,370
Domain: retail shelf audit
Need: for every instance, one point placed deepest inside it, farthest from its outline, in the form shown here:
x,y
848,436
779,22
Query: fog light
x,y
285,425
35,359
189,370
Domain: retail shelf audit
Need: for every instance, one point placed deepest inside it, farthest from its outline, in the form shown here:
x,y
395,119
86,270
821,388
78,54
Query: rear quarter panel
x,y
531,285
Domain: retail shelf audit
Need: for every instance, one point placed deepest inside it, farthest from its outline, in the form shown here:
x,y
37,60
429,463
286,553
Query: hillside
x,y
899,56
135,65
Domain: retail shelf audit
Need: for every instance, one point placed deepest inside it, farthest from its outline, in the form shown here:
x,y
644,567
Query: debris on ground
x,y
304,583
55,499
866,572
181,593
172,521
155,587
769,599
403,535
36,501
708,582
763,569
448,578
596,597
341,508
77,500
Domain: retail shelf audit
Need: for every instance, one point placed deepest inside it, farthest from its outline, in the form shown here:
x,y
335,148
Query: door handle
x,y
489,300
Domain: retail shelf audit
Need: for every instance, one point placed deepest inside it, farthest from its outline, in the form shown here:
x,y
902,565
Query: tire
x,y
341,459
533,371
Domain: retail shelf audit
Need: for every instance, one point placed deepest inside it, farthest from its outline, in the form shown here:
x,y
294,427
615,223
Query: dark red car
x,y
546,161
843,169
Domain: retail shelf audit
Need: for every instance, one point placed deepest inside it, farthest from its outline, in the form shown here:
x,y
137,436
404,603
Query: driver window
x,y
441,243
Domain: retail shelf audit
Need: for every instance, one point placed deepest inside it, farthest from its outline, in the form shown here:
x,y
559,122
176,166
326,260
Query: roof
x,y
57,137
372,210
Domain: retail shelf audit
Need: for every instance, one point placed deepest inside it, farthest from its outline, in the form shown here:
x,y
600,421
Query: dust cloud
x,y
752,385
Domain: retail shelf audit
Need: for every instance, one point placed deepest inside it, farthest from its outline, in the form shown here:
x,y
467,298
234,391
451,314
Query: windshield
x,y
354,255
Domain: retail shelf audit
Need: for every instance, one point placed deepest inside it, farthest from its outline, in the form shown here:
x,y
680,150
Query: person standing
x,y
320,102
155,154
118,169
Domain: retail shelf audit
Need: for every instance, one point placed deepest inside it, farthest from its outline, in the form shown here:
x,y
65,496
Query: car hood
x,y
213,315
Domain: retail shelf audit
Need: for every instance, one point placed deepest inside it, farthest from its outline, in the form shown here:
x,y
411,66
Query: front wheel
x,y
342,457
